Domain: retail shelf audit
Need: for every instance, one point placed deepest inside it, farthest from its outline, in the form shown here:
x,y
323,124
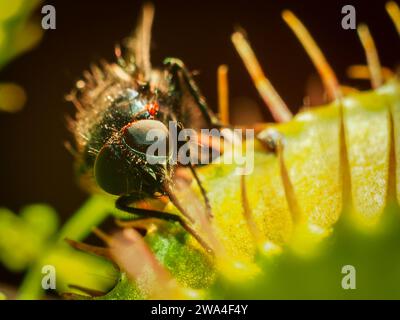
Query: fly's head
x,y
135,157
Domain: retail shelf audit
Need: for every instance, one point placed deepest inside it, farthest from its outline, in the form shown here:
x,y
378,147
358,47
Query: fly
x,y
117,104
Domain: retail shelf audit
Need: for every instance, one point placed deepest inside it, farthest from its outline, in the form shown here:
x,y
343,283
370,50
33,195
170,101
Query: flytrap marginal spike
x,y
149,224
107,239
371,54
326,72
362,72
287,184
394,12
348,90
99,251
274,102
223,93
90,292
265,246
247,213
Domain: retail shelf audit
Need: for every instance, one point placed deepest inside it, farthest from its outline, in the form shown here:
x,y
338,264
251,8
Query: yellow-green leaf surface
x,y
391,92
367,132
266,197
312,158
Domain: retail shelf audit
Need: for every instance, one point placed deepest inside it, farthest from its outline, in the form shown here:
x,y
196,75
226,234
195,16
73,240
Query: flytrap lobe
x,y
327,163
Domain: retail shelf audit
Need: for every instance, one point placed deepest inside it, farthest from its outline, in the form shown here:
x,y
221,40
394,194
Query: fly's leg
x,y
202,191
178,70
124,203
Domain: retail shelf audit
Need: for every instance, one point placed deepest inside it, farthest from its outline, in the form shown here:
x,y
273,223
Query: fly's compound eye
x,y
149,138
110,171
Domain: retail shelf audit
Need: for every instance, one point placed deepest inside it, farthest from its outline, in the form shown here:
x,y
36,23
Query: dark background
x,y
35,166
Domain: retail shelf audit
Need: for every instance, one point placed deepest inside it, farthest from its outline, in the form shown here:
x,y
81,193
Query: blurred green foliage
x,y
19,32
73,267
25,236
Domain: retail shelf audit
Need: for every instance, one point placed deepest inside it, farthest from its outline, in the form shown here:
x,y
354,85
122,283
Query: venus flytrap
x,y
323,194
